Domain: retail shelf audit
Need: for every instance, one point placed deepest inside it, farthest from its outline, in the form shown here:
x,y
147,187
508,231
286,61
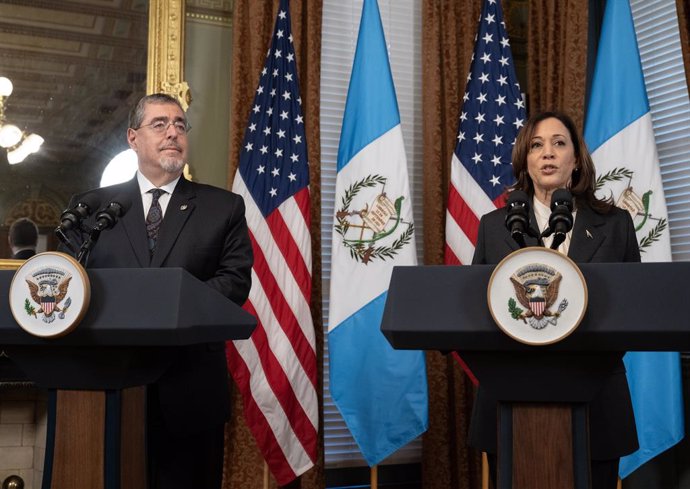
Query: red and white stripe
x,y
537,307
467,203
276,368
48,307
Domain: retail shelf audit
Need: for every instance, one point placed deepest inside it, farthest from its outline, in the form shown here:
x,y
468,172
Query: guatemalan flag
x,y
619,133
380,392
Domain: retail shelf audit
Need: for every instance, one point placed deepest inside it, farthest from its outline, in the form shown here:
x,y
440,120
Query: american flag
x,y
492,112
276,369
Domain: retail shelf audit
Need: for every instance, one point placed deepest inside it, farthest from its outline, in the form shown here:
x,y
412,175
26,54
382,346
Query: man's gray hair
x,y
136,115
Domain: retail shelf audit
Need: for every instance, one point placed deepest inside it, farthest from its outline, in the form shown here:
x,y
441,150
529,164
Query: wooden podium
x,y
96,415
543,438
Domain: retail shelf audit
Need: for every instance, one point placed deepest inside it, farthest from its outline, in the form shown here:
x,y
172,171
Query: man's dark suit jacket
x,y
596,238
205,232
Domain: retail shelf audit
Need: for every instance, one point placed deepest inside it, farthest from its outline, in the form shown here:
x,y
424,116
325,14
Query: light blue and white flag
x,y
619,133
380,392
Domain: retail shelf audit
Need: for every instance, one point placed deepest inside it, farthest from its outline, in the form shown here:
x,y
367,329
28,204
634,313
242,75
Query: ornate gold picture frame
x,y
165,69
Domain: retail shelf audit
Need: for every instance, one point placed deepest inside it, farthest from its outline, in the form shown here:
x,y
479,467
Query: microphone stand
x,y
87,246
518,235
64,239
558,239
519,238
534,234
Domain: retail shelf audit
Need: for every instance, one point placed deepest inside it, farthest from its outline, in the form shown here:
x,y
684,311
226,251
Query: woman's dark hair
x,y
583,179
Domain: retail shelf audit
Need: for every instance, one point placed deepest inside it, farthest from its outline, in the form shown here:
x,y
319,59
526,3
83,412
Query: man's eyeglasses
x,y
161,126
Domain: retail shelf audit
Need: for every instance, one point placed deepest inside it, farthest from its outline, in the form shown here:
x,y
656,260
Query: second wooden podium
x,y
543,439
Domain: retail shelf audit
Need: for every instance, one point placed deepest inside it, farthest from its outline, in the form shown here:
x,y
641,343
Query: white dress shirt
x,y
542,213
147,197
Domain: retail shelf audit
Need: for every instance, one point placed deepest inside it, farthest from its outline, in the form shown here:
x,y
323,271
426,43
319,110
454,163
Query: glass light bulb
x,y
33,143
17,155
9,135
5,87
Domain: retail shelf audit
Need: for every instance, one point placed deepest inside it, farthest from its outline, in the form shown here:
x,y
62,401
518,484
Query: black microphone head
x,y
73,216
90,202
517,197
118,206
86,206
517,217
561,218
562,196
108,216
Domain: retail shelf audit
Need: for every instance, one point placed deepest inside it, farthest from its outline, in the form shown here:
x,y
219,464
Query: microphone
x,y
517,219
105,219
561,219
72,218
108,216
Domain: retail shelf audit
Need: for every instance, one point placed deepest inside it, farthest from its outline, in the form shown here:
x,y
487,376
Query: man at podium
x,y
549,154
168,221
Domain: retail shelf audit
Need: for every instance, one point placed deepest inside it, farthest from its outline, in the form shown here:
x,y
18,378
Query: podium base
x,y
542,446
96,439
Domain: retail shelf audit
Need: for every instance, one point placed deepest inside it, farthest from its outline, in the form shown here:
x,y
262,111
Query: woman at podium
x,y
549,154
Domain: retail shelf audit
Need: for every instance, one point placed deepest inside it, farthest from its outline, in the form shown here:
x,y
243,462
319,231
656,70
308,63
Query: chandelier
x,y
18,143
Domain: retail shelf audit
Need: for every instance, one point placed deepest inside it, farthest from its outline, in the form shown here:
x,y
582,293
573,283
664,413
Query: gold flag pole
x,y
485,471
266,476
374,478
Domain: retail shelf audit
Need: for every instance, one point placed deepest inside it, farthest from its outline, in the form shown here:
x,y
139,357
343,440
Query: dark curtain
x,y
557,56
252,29
448,30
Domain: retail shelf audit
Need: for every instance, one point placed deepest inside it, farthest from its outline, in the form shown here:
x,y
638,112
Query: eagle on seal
x,y
537,296
48,294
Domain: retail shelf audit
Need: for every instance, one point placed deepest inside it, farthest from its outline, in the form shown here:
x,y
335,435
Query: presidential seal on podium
x,y
537,296
49,294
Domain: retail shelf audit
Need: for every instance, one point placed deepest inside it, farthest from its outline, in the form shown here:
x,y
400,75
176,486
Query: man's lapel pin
x,y
588,234
183,207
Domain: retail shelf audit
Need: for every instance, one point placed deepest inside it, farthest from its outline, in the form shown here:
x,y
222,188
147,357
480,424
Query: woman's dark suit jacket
x,y
596,238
